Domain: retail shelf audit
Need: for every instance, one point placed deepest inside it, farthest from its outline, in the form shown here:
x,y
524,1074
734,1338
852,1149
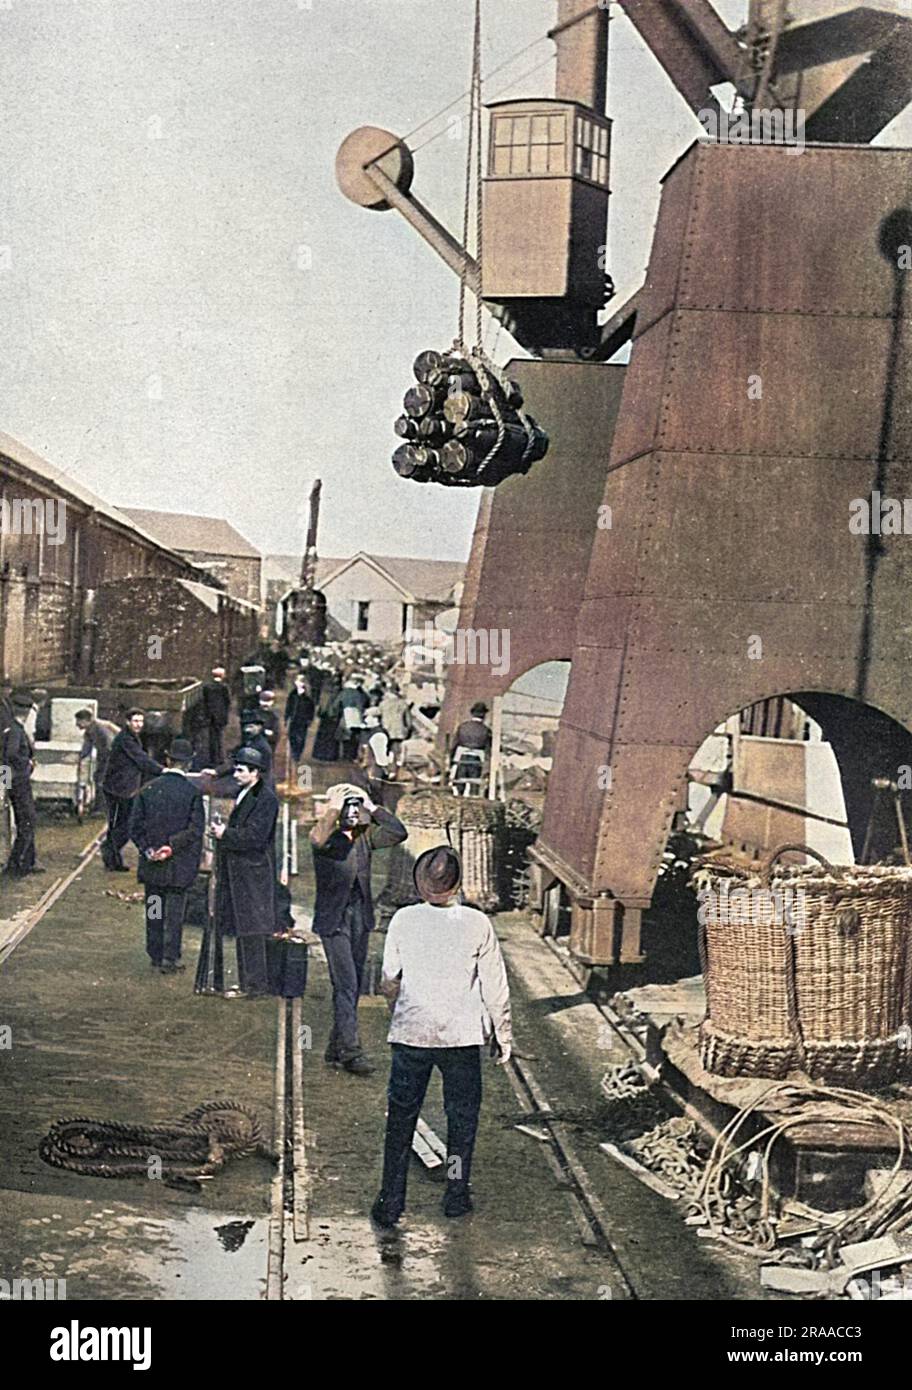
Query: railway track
x,y
289,1204
289,1221
560,1154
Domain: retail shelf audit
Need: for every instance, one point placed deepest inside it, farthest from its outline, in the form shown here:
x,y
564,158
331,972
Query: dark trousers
x,y
253,973
119,808
346,952
165,909
22,853
215,751
410,1073
297,738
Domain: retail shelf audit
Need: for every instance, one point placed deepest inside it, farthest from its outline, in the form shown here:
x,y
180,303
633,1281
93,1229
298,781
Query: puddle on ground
x,y
191,1258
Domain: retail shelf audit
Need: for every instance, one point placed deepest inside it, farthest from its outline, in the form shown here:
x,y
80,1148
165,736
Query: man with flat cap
x,y
446,984
129,765
245,904
167,821
343,841
17,763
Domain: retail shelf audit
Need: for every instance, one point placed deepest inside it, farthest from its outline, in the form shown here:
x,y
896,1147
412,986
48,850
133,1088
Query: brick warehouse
x,y
53,595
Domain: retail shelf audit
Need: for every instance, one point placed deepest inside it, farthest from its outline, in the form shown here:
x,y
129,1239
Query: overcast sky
x,y
195,319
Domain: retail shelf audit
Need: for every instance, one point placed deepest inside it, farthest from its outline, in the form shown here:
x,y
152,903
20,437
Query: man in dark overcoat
x,y
167,821
343,841
216,709
246,881
129,765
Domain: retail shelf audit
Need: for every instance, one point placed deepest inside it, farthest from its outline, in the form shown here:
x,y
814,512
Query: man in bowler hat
x,y
445,981
166,825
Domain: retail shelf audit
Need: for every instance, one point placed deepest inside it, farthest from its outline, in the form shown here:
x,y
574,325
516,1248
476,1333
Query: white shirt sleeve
x,y
495,989
392,960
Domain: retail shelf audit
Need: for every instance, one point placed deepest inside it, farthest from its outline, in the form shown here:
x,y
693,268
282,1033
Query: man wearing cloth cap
x,y
129,765
444,976
17,763
166,826
343,841
245,881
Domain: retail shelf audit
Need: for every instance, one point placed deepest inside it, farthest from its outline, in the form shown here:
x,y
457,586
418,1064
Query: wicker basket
x,y
827,993
476,829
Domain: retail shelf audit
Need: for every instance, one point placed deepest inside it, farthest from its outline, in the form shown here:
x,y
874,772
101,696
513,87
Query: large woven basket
x,y
476,828
827,993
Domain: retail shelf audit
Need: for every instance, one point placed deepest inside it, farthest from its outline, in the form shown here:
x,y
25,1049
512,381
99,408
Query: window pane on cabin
x,y
557,130
539,159
603,141
557,159
503,128
539,130
502,159
521,130
519,159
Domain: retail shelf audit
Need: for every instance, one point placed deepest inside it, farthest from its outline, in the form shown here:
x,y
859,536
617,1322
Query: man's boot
x,y
359,1066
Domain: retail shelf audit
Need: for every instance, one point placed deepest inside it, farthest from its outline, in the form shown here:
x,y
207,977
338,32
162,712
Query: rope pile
x,y
672,1151
623,1081
194,1147
757,1220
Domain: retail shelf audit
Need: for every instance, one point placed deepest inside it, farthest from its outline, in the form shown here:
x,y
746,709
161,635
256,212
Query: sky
x,y
196,319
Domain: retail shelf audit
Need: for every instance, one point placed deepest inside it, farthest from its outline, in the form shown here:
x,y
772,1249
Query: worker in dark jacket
x,y
246,878
216,709
471,745
270,717
166,825
129,765
16,766
343,841
299,713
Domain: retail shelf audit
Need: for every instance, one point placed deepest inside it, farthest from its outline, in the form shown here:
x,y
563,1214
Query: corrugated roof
x,y
211,535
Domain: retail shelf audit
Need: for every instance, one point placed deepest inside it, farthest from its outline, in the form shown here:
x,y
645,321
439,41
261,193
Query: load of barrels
x,y
464,426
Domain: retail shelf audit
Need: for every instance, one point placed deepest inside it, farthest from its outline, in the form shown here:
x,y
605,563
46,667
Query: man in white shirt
x,y
445,980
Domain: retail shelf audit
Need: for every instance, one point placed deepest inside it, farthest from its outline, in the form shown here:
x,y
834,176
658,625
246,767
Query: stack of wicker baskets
x,y
828,992
474,827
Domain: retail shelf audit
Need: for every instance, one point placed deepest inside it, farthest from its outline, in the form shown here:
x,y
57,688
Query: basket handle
x,y
767,869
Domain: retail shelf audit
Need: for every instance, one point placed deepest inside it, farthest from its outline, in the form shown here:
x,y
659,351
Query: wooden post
x,y
283,877
496,726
